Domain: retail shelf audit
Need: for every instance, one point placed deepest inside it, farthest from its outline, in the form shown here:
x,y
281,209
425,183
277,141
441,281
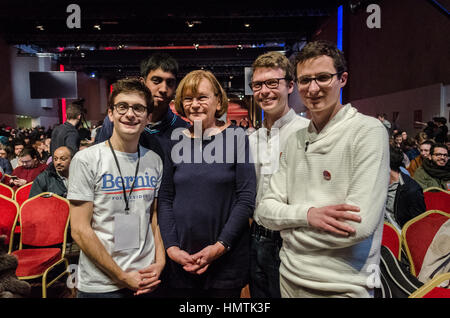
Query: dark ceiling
x,y
223,37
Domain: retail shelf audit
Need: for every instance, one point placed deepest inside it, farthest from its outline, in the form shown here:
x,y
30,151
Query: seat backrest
x,y
23,193
439,200
391,239
418,233
9,211
7,191
44,220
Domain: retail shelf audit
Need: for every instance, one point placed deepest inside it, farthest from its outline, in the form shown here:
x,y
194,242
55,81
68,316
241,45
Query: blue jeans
x,y
264,267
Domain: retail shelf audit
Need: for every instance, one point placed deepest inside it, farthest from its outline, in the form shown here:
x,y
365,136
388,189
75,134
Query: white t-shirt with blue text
x,y
94,177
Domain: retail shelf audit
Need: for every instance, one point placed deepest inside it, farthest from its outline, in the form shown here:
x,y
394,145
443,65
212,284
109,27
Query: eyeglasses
x,y
26,162
202,100
443,155
122,108
323,79
270,83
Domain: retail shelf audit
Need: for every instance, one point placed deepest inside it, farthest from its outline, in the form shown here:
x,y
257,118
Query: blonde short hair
x,y
191,82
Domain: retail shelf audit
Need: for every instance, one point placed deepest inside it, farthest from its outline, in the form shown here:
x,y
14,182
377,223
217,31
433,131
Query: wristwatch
x,y
227,247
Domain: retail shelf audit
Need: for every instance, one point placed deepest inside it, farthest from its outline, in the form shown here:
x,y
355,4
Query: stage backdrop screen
x,y
53,84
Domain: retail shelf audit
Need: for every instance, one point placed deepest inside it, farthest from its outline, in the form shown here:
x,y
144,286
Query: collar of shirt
x,y
168,120
280,122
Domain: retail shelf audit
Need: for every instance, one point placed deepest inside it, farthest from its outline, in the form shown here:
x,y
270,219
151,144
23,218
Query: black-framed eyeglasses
x,y
443,155
122,108
270,83
323,79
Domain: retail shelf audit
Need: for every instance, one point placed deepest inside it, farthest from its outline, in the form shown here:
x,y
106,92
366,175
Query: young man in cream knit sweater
x,y
328,196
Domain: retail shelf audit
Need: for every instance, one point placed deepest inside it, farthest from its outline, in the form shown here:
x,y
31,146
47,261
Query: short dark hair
x,y
319,48
437,145
131,85
159,60
29,151
73,110
428,142
18,141
395,158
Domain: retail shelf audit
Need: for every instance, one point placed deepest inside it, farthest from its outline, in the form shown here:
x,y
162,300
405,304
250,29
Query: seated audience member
x,y
29,170
398,139
18,147
435,172
5,165
40,148
410,148
405,197
424,149
54,178
4,162
3,151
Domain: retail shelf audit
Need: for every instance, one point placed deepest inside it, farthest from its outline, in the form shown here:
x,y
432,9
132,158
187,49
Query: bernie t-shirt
x,y
94,176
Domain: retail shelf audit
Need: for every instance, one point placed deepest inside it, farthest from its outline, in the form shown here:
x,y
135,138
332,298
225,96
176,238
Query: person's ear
x,y
290,87
110,115
343,79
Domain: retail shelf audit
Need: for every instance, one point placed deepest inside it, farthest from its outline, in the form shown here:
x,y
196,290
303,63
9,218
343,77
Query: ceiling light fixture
x,y
191,24
40,27
97,26
247,25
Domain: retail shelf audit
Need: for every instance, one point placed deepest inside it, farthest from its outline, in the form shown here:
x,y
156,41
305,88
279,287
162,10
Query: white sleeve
x,y
368,188
81,177
274,211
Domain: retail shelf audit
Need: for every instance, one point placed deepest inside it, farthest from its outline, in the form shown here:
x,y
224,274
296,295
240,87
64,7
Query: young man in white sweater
x,y
327,198
272,82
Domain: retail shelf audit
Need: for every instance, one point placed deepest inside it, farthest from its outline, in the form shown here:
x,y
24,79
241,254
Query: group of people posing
x,y
163,208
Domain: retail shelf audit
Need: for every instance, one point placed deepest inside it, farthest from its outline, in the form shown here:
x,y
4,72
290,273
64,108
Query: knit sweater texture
x,y
347,162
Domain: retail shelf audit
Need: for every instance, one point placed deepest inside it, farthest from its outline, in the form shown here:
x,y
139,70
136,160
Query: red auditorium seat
x,y
44,220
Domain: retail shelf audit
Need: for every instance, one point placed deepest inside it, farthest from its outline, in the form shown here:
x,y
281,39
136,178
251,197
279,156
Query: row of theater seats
x,y
415,239
42,233
44,221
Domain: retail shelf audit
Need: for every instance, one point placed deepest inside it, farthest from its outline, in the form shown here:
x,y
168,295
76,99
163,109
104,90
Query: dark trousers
x,y
264,264
121,293
205,293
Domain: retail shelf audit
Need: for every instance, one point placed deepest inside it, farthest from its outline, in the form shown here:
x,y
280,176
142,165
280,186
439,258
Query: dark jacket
x,y
65,135
409,201
48,181
6,166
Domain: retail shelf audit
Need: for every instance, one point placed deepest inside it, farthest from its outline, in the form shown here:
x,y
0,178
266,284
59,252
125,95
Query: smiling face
x,y
320,98
129,124
440,156
202,105
273,101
